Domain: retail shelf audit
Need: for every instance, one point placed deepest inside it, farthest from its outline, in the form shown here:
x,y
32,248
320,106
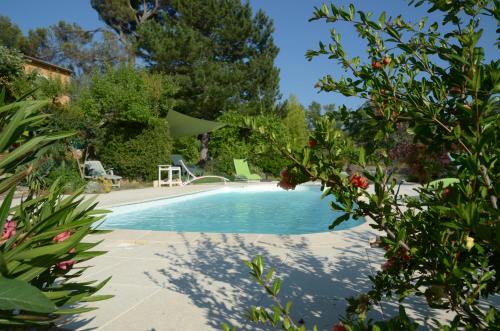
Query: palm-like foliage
x,y
41,243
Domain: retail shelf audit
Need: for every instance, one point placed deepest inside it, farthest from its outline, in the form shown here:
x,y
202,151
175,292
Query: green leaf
x,y
54,249
74,311
362,156
11,181
276,286
269,274
97,298
288,306
4,210
487,276
286,323
373,25
338,221
381,19
18,294
405,48
452,225
22,150
324,10
393,32
352,11
258,264
56,295
4,270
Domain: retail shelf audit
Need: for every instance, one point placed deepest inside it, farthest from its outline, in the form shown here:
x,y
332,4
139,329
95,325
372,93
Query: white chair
x,y
94,169
192,177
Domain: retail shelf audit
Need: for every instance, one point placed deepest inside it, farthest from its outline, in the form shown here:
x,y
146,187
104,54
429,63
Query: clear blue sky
x,y
294,35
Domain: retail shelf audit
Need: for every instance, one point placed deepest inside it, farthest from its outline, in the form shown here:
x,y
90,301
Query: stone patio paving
x,y
197,281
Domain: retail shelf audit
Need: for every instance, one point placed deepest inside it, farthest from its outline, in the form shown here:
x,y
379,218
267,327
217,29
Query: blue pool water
x,y
264,209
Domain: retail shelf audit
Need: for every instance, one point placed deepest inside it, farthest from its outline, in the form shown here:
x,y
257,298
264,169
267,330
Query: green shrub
x,y
126,94
227,144
295,122
237,142
134,151
11,68
68,175
120,117
188,147
11,63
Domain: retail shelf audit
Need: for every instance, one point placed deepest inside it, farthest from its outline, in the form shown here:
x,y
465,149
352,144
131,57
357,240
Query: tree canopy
x,y
10,34
124,94
125,16
221,55
65,44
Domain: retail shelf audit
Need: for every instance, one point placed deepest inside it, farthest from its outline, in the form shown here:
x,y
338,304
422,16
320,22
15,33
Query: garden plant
x,y
41,244
433,78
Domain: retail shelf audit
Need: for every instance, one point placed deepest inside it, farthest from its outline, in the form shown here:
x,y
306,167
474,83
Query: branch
x,y
450,131
337,182
146,14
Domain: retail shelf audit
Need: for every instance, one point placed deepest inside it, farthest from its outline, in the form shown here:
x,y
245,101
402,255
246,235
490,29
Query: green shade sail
x,y
182,125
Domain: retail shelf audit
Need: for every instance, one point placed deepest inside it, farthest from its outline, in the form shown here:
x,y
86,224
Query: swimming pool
x,y
262,209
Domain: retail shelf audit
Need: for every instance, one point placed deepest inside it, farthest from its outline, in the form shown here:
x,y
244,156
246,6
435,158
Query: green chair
x,y
243,172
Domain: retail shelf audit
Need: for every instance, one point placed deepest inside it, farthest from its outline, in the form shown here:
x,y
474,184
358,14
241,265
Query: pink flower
x,y
72,251
62,236
65,265
9,230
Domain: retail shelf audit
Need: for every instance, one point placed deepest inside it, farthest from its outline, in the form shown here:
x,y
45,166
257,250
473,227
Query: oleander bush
x,y
42,243
432,77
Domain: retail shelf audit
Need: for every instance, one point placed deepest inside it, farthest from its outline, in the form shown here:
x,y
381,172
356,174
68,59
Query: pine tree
x,y
125,16
220,53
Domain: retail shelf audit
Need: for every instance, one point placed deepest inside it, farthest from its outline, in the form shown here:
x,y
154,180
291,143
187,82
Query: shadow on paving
x,y
316,281
209,271
75,322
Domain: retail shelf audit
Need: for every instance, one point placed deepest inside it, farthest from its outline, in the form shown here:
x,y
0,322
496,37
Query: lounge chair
x,y
176,161
191,177
445,182
94,169
243,172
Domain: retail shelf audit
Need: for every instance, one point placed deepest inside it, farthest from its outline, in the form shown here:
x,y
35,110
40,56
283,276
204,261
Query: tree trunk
x,y
205,139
